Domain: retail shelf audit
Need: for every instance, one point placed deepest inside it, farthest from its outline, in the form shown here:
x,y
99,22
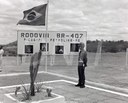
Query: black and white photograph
x,y
28,48
64,51
43,47
74,47
59,49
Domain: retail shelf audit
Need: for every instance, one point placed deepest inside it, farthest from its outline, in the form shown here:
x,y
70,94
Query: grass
x,y
111,69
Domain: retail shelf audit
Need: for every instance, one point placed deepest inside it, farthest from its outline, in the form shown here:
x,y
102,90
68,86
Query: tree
x,y
34,65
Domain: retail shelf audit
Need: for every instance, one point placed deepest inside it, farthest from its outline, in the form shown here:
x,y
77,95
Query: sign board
x,y
57,42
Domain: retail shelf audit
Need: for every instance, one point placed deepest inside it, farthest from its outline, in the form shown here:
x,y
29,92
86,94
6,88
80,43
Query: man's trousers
x,y
81,75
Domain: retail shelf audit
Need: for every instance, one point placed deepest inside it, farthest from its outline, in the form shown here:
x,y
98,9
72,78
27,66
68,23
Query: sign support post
x,y
46,36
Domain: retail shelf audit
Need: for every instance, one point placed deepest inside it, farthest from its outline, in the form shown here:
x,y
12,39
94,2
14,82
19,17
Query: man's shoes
x,y
82,86
78,85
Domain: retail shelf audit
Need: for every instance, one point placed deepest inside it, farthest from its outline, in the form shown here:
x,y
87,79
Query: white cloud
x,y
100,18
5,2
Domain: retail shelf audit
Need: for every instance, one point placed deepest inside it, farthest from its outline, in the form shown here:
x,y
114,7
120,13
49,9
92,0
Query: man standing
x,y
1,57
82,63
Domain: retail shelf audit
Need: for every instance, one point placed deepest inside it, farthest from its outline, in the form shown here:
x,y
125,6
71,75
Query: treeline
x,y
10,49
107,46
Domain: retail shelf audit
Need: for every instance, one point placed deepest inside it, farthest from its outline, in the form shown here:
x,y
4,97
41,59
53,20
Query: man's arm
x,y
85,59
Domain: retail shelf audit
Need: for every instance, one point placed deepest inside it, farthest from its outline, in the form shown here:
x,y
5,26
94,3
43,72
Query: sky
x,y
102,19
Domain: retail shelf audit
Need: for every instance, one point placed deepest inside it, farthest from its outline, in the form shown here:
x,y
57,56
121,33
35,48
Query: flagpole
x,y
46,62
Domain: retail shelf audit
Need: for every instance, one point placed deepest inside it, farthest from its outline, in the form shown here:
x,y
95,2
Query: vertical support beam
x,y
98,53
46,36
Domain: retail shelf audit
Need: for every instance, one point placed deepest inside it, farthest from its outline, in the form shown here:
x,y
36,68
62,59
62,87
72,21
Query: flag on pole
x,y
34,16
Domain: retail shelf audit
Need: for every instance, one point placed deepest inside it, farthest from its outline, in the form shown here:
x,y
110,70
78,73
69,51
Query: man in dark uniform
x,y
82,63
